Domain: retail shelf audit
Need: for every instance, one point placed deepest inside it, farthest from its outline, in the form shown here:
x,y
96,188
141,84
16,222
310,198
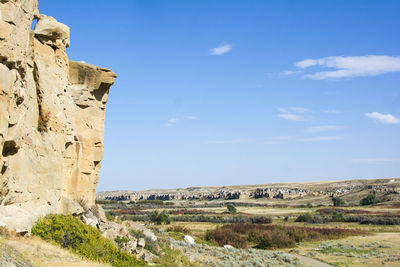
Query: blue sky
x,y
242,92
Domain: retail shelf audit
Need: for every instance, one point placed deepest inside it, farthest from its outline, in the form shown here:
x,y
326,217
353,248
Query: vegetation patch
x,y
369,200
272,236
160,217
179,229
337,202
73,234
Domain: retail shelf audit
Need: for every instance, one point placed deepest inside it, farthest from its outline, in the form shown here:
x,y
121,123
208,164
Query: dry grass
x,y
381,249
41,253
262,210
353,226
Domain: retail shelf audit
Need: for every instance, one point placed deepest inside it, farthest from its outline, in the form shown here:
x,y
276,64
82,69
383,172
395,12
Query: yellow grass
x,y
382,247
41,253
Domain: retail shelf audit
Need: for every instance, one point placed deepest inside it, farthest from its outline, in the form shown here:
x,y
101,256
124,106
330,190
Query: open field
x,y
360,226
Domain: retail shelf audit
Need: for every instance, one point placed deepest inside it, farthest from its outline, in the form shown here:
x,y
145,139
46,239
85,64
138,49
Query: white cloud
x,y
323,128
220,50
172,122
376,160
322,138
306,63
300,110
190,117
226,142
291,117
383,118
292,113
289,72
352,66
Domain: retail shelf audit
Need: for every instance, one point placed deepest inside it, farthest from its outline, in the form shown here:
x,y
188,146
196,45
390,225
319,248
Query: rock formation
x,y
51,118
269,191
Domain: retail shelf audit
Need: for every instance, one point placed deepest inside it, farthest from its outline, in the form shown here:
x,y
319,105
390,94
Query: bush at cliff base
x,y
72,233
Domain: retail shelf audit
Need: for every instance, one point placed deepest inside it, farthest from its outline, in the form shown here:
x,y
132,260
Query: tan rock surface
x,y
52,114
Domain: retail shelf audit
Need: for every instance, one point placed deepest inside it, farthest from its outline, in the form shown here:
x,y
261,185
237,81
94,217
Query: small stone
x,y
188,239
141,242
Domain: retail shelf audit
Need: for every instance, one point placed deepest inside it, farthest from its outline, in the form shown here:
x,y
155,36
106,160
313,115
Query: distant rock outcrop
x,y
51,118
284,191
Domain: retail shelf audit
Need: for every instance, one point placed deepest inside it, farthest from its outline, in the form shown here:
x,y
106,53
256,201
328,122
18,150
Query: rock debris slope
x,y
52,114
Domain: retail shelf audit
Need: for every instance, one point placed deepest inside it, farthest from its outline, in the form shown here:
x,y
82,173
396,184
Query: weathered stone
x,y
188,239
149,235
141,243
52,144
98,211
51,32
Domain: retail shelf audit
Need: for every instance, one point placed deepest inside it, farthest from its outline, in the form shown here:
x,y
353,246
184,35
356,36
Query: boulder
x,y
188,239
51,32
141,243
149,235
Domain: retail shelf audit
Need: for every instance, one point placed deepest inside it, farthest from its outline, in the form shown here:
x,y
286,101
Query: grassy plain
x,y
373,245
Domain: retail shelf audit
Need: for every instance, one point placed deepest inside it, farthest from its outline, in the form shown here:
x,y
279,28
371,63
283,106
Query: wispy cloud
x,y
351,66
383,118
226,142
322,138
220,50
291,117
376,160
300,110
172,122
190,117
289,72
323,128
293,113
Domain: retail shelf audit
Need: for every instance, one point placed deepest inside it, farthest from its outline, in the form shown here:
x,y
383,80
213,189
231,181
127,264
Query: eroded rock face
x,y
51,119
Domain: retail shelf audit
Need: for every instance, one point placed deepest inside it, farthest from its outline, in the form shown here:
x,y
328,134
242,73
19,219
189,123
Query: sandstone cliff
x,y
51,118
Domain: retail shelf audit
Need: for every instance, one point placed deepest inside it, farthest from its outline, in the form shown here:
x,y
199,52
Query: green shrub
x,y
304,218
4,231
137,234
179,229
110,217
160,217
309,205
337,217
231,209
368,200
72,233
121,241
338,201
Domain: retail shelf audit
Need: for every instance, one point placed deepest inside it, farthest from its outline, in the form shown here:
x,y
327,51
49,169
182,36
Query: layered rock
x,y
52,114
268,191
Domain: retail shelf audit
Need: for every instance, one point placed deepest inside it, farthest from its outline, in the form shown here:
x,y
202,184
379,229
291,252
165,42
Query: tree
x,y
160,217
338,201
368,200
231,209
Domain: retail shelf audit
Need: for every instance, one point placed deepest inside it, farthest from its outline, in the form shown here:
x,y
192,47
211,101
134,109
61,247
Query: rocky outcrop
x,y
51,118
270,191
